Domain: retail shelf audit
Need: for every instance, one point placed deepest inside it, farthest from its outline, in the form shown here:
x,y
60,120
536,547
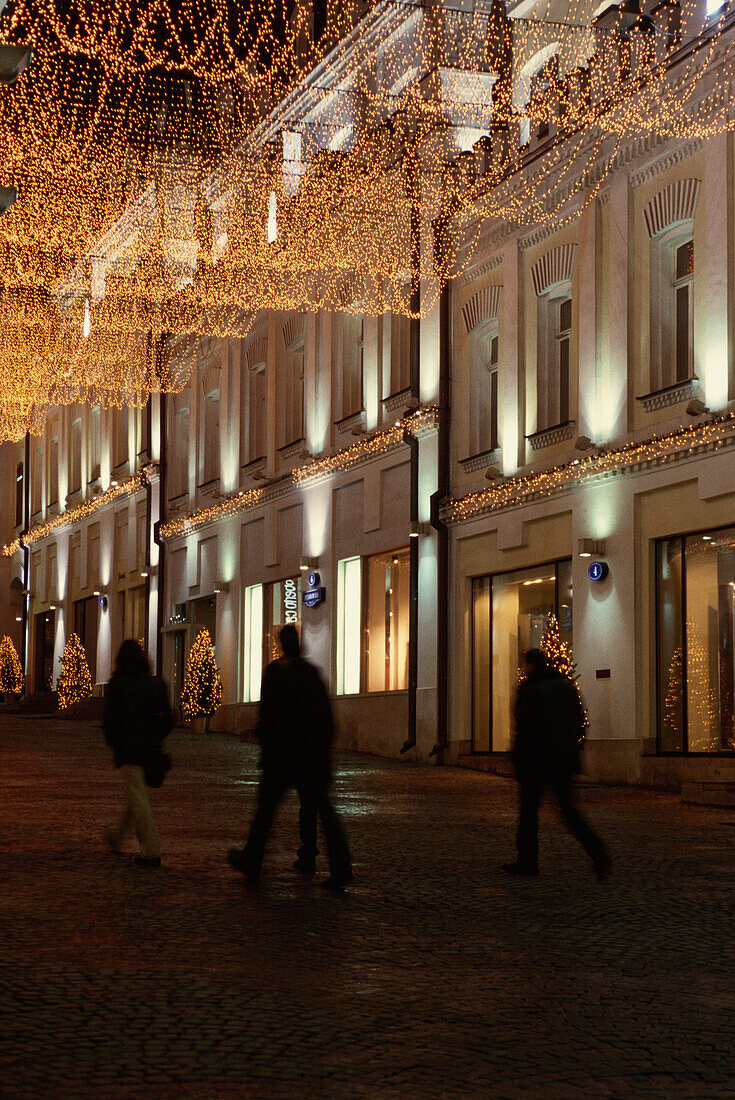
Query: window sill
x,y
669,395
480,461
297,449
354,423
404,399
370,694
547,437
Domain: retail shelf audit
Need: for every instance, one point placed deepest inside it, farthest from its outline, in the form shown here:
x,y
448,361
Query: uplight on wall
x,y
588,548
308,563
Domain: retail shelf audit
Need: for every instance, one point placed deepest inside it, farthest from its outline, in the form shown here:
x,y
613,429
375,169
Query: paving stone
x,y
435,976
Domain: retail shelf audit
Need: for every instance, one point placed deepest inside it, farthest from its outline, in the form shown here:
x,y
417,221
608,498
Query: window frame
x,y
664,287
549,337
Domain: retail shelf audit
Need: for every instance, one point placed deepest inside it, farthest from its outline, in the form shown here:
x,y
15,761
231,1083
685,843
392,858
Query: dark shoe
x,y
148,861
520,869
236,860
336,885
305,866
111,842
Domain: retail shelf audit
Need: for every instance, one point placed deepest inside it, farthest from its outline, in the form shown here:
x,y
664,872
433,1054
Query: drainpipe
x,y
443,479
162,508
413,599
413,443
26,556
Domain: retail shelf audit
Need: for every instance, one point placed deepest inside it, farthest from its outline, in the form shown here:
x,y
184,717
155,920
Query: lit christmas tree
x,y
559,656
202,690
703,716
75,682
11,670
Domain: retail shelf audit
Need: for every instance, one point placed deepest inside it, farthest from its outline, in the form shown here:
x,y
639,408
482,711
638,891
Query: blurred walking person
x,y
295,731
549,722
137,720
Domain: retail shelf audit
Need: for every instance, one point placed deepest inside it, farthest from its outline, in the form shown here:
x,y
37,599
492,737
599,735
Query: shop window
x,y
282,604
695,577
510,614
349,611
387,599
253,643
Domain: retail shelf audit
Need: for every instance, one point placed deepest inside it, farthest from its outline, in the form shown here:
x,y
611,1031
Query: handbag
x,y
157,766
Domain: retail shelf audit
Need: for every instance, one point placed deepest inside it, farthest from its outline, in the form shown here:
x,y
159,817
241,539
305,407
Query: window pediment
x,y
672,204
257,354
482,306
555,266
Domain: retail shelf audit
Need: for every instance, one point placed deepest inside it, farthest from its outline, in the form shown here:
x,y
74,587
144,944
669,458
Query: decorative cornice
x,y
472,274
665,162
401,400
78,513
369,447
675,446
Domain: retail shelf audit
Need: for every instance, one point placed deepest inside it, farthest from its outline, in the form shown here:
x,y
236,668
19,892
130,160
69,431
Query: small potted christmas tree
x,y
75,682
12,681
202,690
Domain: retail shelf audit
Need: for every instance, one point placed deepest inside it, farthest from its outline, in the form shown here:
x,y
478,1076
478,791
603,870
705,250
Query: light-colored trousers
x,y
137,814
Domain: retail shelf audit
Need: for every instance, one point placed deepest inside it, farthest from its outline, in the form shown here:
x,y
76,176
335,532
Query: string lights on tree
x,y
176,173
12,681
75,681
202,690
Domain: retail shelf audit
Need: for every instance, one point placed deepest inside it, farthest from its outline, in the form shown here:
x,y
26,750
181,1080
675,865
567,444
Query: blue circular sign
x,y
313,580
597,570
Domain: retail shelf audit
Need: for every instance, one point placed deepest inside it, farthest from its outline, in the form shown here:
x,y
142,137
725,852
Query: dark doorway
x,y
86,625
44,663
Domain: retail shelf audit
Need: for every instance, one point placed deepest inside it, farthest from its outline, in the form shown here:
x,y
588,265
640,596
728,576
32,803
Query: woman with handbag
x,y
137,720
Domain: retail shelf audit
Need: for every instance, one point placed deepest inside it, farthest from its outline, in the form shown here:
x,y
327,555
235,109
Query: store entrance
x,y
44,657
86,626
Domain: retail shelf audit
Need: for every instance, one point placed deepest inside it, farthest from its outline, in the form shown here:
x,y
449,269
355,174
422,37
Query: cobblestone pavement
x,y
435,976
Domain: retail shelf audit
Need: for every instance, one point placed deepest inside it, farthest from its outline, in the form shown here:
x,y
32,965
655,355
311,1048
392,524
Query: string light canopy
x,y
182,164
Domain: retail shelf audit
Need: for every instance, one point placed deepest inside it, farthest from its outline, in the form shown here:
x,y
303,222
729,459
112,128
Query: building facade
x,y
552,439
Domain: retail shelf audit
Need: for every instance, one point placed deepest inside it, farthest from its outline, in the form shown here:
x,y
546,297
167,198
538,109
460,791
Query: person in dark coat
x,y
549,721
295,730
137,720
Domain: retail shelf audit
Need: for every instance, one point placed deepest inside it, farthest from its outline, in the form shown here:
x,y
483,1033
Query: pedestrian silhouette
x,y
295,730
549,722
137,719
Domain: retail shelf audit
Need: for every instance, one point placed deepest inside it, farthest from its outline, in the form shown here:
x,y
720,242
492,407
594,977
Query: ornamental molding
x,y
543,232
472,274
555,266
257,354
480,462
663,163
354,423
293,330
670,395
677,202
404,399
482,306
548,436
656,451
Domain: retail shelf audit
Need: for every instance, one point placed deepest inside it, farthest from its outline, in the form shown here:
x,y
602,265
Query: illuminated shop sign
x,y
290,601
597,570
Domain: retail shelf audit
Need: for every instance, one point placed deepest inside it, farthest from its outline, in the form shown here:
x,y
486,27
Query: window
x,y
350,397
179,459
210,414
683,257
563,311
95,415
554,358
19,494
349,610
256,415
75,464
291,421
484,390
400,354
121,444
253,643
141,433
282,604
387,598
52,494
37,480
695,598
511,613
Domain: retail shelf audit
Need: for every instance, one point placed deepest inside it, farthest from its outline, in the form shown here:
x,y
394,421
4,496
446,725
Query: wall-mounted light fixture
x,y
493,473
697,407
308,563
588,548
221,586
583,443
419,529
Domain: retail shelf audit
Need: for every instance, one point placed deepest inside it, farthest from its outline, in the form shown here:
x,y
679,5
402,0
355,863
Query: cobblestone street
x,y
435,976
